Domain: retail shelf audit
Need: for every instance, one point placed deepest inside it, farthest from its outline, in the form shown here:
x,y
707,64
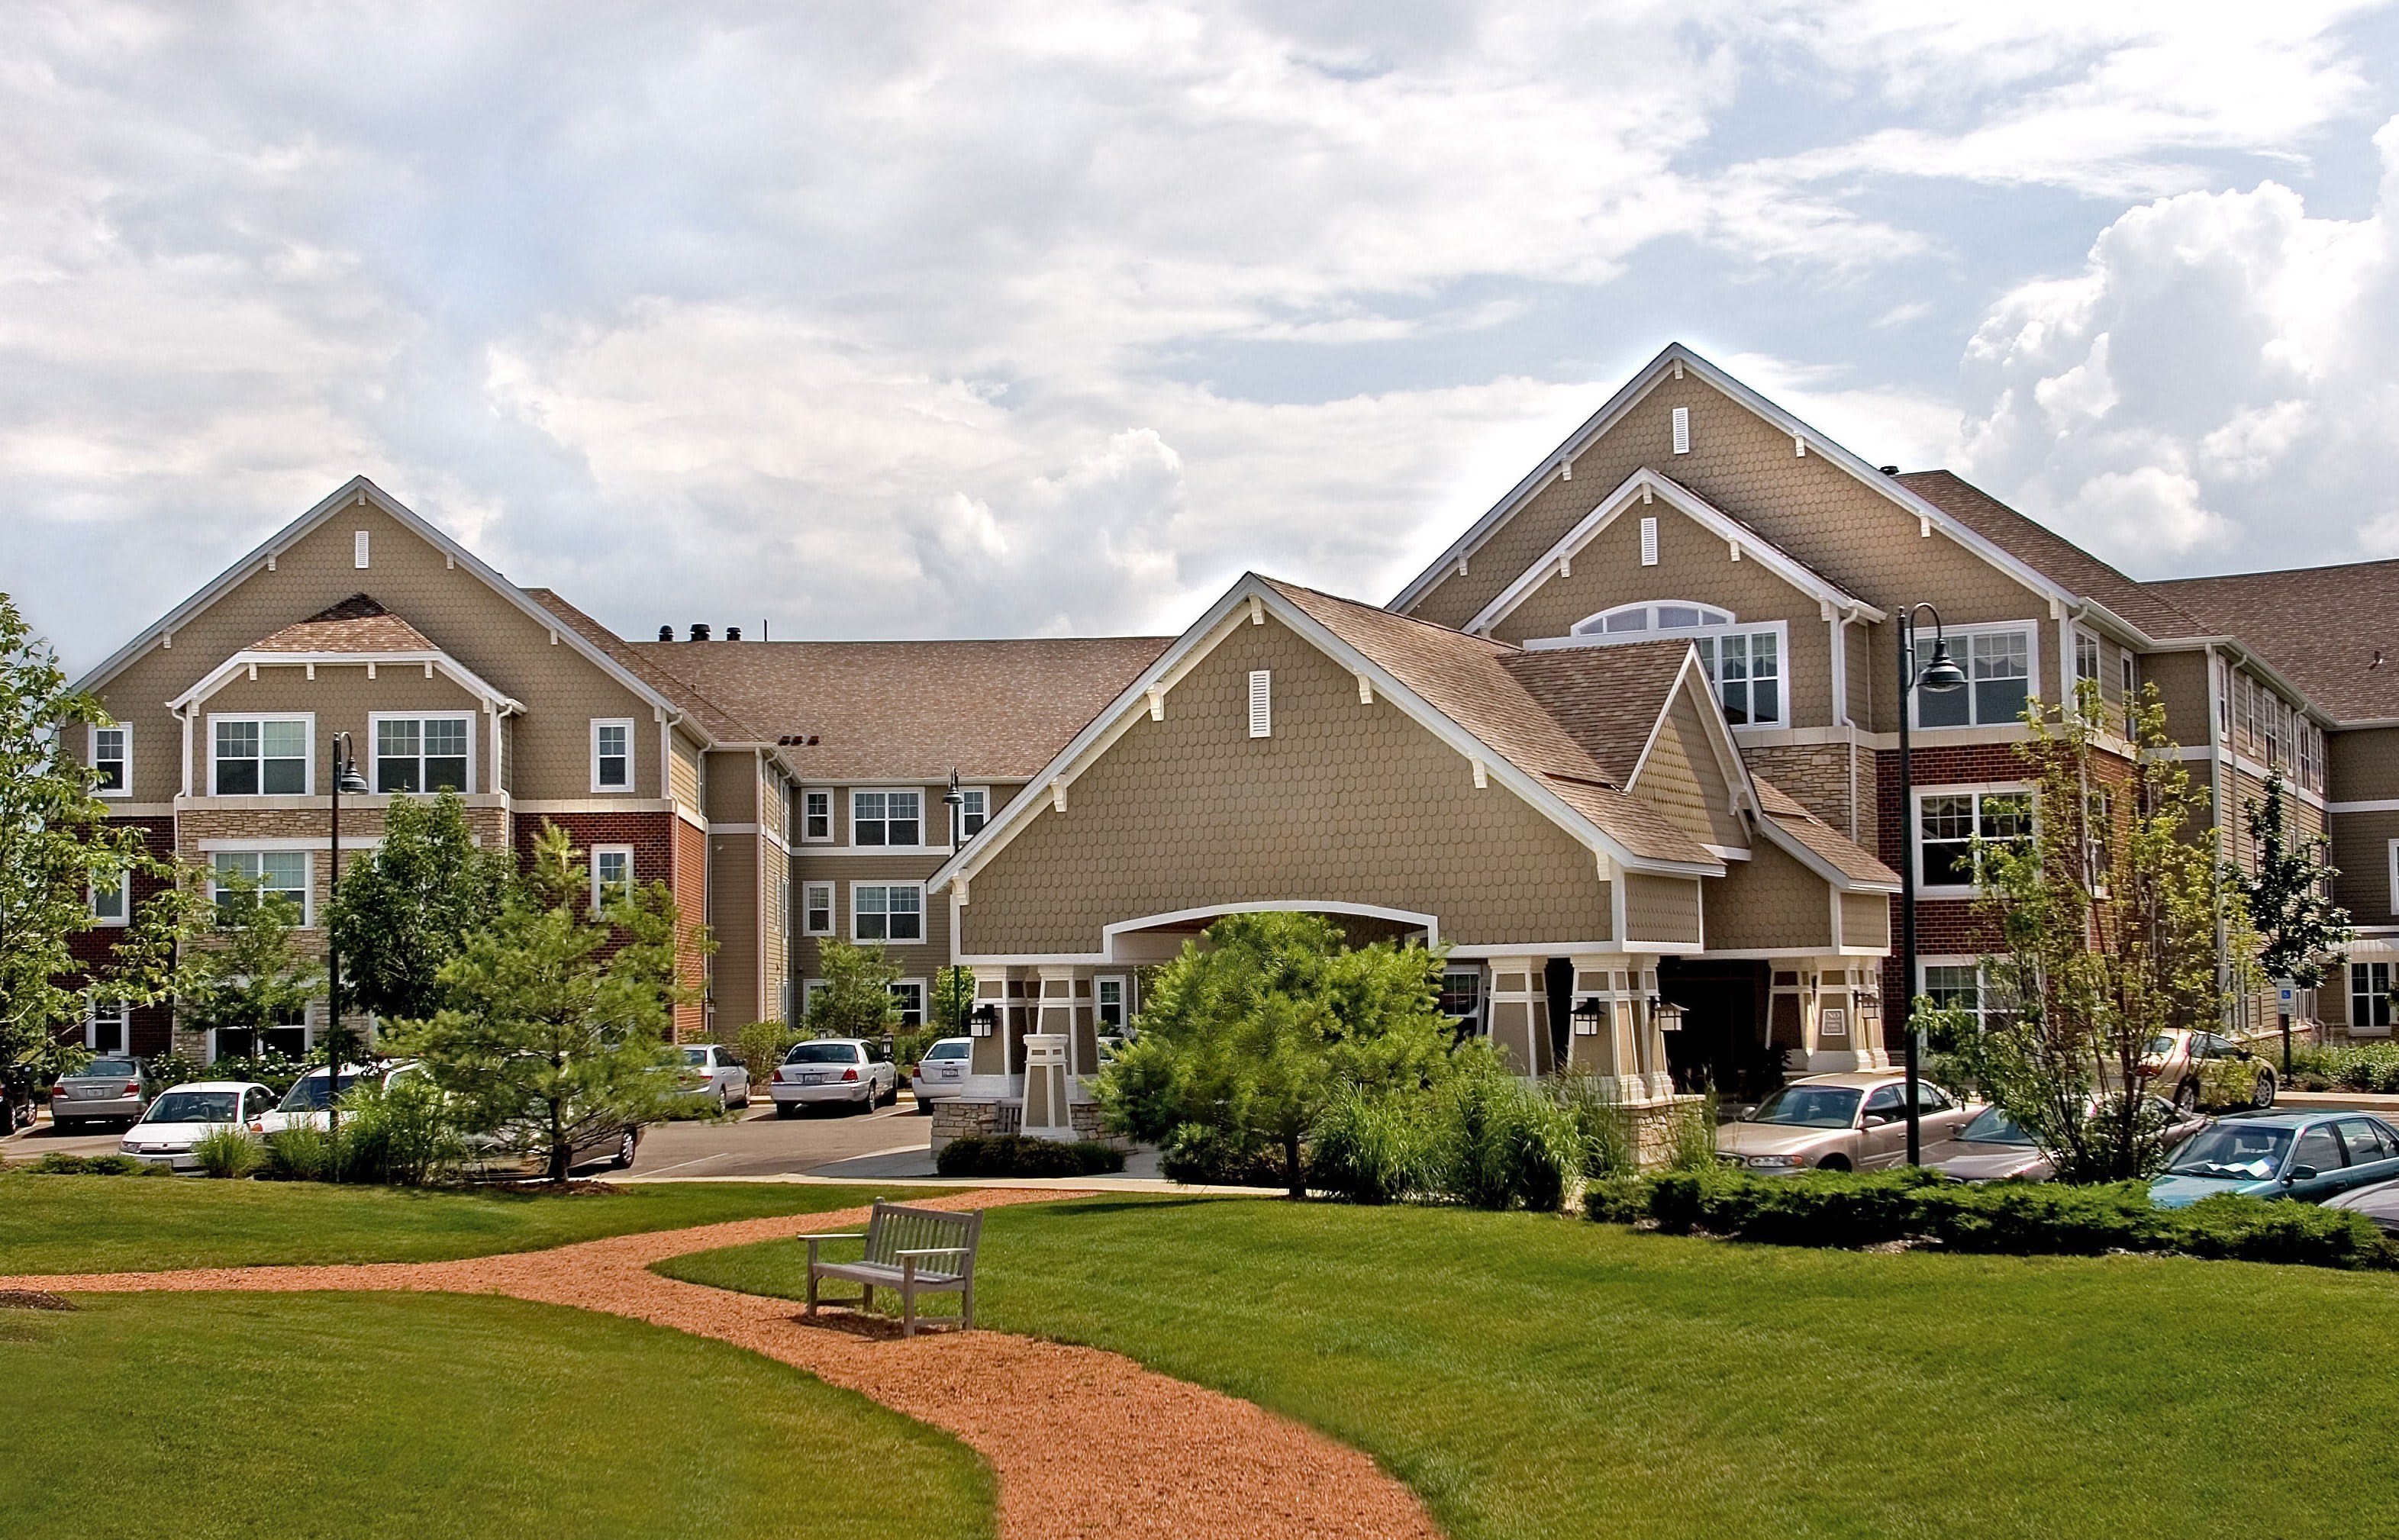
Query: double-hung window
x,y
815,815
1108,1005
612,755
1999,680
612,874
816,909
280,873
108,906
1966,985
1462,997
1746,667
910,993
2369,996
112,761
2086,663
1948,824
975,811
890,817
105,1028
429,753
260,756
887,911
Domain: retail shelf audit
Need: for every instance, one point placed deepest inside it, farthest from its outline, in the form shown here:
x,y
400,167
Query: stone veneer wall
x,y
1817,777
957,1119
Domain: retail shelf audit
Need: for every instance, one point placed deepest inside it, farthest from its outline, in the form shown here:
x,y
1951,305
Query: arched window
x,y
1665,614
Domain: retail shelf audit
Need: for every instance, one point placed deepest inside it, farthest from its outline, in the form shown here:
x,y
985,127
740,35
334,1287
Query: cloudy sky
x,y
905,320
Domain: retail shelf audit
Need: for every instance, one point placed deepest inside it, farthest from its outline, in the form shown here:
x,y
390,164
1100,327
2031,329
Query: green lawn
x,y
1537,1376
289,1416
103,1224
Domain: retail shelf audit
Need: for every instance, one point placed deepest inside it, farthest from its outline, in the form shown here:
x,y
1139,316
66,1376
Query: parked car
x,y
114,1087
1855,1121
1992,1148
941,1072
843,1071
306,1102
2378,1203
179,1115
711,1073
2309,1156
490,1158
2175,1061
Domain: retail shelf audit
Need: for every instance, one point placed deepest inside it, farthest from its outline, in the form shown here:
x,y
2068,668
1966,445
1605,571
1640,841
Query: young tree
x,y
856,1000
406,908
556,1025
953,1001
2302,933
1243,1040
2110,912
56,846
243,974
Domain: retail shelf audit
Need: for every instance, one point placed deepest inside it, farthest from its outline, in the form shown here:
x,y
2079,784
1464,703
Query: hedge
x,y
1013,1154
1837,1209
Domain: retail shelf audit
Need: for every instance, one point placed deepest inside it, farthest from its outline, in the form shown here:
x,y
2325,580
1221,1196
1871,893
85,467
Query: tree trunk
x,y
1297,1183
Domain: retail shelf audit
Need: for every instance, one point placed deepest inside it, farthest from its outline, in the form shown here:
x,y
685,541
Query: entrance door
x,y
1722,1042
1557,982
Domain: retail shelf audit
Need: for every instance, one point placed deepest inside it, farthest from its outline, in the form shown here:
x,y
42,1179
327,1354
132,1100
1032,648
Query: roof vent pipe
x,y
732,633
666,633
699,631
1888,471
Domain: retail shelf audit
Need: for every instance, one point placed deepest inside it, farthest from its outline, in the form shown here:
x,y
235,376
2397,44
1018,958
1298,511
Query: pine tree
x,y
2302,933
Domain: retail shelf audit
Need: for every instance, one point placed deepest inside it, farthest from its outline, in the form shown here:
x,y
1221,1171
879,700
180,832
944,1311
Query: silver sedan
x,y
711,1073
112,1088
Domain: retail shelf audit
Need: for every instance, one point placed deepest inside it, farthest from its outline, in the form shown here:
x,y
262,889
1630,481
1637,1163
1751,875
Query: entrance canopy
x,y
1159,938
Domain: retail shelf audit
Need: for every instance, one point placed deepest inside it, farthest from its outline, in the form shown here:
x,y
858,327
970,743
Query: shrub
x,y
762,1045
298,1154
1014,1154
1500,1142
1601,1119
58,1162
225,1151
1691,1143
1202,1156
1371,1149
403,1134
2351,1066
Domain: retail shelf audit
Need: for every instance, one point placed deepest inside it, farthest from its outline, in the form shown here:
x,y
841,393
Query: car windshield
x,y
2233,1151
109,1069
946,1050
196,1107
307,1093
696,1058
822,1053
2159,1048
1994,1127
1809,1107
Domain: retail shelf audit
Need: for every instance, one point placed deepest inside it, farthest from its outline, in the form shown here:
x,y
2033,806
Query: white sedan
x,y
305,1103
941,1074
842,1071
182,1116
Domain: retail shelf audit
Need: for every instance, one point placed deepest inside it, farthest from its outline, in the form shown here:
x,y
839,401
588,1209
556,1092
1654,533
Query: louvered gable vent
x,y
1261,703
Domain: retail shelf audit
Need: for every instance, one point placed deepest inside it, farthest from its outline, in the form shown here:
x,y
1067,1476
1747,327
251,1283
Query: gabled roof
x,y
712,718
2063,561
1608,699
1643,489
992,710
1818,844
1671,361
2332,631
358,624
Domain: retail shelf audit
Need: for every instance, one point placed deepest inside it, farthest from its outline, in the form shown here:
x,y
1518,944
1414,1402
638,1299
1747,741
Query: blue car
x,y
2309,1156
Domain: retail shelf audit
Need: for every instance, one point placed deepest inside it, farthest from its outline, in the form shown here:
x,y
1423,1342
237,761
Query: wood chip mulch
x,y
1086,1444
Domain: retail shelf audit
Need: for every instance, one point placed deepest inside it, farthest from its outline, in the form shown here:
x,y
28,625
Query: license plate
x,y
89,1092
819,1079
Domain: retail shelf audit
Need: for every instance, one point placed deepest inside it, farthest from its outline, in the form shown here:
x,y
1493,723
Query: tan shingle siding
x,y
1682,778
1767,901
1865,920
1661,909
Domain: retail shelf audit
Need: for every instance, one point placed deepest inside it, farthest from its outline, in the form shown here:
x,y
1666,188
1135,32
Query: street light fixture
x,y
1940,676
346,778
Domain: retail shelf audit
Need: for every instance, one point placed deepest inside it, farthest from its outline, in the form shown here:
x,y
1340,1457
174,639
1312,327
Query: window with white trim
x,y
260,756
2086,661
1261,703
612,874
112,756
887,817
107,1026
809,990
294,1035
2370,995
910,993
1635,622
1948,824
887,911
359,546
108,905
283,874
816,909
1109,1002
1966,983
424,753
815,815
975,811
612,754
1998,672
2131,672
1462,997
1743,663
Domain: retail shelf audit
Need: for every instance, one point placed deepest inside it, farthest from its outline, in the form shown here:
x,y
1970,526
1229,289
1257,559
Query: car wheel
x,y
2263,1094
721,1102
786,1109
1833,1162
626,1147
2186,1096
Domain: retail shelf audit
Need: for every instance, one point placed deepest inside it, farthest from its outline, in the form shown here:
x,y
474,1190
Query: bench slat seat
x,y
915,1250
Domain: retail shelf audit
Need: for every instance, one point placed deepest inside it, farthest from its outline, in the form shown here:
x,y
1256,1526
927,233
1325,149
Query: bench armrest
x,y
933,1251
847,1236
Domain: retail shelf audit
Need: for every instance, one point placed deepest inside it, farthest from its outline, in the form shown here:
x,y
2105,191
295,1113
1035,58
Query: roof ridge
x,y
1502,649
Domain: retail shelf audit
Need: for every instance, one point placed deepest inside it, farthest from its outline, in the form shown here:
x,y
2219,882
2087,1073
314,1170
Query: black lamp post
x,y
346,778
957,806
1940,676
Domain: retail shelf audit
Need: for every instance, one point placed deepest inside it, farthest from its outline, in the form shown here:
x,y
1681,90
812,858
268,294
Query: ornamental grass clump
x,y
1501,1142
225,1151
1369,1149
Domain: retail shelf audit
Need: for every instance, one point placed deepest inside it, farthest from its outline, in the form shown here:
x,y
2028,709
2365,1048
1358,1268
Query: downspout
x,y
2217,687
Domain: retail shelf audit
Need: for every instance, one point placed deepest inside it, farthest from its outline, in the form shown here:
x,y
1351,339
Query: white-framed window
x,y
910,993
892,816
1111,1003
2369,996
816,909
1462,997
1261,703
612,872
809,990
1965,983
112,755
815,815
612,754
434,751
975,811
2086,656
887,911
1745,664
1638,622
108,903
295,1034
283,872
1999,663
1947,823
263,756
2392,868
107,1026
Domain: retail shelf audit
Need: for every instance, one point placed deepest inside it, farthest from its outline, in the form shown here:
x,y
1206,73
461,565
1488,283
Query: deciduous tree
x,y
2301,932
407,907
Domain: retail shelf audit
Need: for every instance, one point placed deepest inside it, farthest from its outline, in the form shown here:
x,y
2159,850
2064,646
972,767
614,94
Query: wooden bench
x,y
915,1250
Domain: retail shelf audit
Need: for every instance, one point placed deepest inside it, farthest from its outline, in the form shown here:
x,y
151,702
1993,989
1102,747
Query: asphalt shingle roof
x,y
2333,631
359,624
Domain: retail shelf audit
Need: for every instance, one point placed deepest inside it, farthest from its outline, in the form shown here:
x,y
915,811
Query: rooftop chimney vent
x,y
732,633
699,631
666,633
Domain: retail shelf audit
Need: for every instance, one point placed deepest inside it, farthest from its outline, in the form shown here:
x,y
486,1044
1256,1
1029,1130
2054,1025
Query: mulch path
x,y
1086,1444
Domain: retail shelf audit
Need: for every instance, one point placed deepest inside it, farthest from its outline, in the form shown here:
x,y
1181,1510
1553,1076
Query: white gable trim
x,y
1253,595
1729,760
1645,483
437,662
356,491
1671,360
1792,846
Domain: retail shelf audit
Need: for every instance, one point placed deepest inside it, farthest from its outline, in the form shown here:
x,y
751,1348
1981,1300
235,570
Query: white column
x,y
1515,988
1659,1078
